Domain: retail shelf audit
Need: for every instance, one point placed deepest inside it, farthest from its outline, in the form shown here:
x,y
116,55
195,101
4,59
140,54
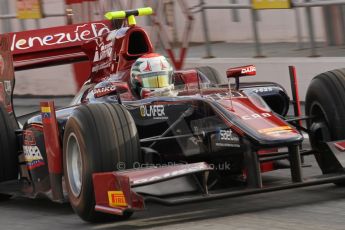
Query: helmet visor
x,y
156,80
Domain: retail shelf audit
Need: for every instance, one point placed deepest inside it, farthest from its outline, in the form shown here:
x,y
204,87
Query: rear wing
x,y
53,46
41,48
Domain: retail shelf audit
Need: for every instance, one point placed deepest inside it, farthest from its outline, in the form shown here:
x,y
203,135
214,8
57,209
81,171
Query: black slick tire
x,y
211,73
105,135
325,103
8,148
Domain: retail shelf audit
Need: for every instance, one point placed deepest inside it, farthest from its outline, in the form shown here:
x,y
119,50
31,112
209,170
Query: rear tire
x,y
97,137
211,73
8,148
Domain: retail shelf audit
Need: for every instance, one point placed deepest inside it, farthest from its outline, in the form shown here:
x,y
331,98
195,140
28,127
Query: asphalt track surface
x,y
318,207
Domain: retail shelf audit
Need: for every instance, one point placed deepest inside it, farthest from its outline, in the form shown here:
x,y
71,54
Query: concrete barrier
x,y
52,81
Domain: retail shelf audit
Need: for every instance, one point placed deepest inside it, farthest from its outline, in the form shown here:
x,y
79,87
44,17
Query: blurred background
x,y
220,33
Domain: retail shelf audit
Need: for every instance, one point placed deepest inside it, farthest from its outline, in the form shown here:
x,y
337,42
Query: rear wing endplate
x,y
6,77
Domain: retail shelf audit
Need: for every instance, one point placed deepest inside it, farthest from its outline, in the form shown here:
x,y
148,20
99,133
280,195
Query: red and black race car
x,y
112,150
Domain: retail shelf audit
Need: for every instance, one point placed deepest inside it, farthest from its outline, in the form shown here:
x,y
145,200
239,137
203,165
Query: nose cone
x,y
264,127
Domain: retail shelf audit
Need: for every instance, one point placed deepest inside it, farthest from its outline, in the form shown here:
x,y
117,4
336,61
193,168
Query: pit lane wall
x,y
60,81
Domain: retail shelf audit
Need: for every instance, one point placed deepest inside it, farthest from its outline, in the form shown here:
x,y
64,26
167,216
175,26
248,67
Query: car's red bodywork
x,y
111,54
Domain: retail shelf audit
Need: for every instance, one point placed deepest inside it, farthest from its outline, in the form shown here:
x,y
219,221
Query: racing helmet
x,y
151,72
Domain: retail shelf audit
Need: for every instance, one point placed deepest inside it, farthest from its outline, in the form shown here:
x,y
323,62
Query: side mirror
x,y
241,71
238,72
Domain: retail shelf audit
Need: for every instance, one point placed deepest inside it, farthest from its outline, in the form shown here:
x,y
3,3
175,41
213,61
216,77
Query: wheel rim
x,y
74,165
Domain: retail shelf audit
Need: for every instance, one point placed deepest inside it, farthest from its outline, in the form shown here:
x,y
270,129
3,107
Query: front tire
x,y
97,137
325,102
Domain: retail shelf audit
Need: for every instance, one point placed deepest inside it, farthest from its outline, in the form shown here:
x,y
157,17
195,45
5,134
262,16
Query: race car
x,y
133,135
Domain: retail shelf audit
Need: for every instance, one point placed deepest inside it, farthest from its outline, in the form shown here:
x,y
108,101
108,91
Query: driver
x,y
151,75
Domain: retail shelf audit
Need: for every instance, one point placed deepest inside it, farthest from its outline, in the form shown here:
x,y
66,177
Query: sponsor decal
x,y
33,157
103,51
276,131
227,138
263,90
32,154
117,199
249,70
153,111
227,135
80,34
255,116
99,92
29,138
